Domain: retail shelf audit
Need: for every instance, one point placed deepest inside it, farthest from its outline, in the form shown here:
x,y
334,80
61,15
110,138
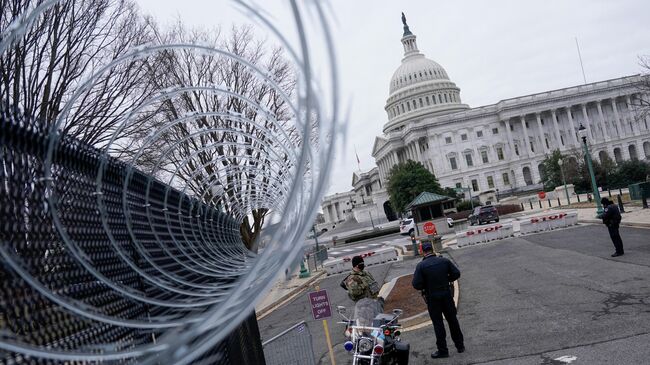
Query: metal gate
x,y
292,346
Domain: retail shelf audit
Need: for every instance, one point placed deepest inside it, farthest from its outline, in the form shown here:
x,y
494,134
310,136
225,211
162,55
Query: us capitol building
x,y
499,146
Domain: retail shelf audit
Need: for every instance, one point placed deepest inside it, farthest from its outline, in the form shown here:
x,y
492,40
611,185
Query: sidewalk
x,y
634,216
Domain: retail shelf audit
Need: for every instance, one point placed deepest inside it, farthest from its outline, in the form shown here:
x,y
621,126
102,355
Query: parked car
x,y
407,226
483,215
450,222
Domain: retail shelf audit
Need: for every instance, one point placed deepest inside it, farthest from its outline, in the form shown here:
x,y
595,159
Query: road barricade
x,y
484,234
343,264
548,221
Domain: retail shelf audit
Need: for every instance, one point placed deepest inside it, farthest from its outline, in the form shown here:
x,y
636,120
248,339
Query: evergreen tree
x,y
407,180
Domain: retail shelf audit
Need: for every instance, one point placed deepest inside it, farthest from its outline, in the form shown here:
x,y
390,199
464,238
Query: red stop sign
x,y
429,228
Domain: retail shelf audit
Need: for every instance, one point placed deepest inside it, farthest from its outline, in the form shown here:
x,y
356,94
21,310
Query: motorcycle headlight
x,y
365,344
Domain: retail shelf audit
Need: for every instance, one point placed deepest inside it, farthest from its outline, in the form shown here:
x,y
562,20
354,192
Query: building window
x,y
484,156
447,140
446,100
547,145
468,159
526,125
500,153
459,185
495,130
474,185
421,104
427,100
402,105
463,137
532,147
490,181
479,134
506,179
452,162
433,99
562,139
440,98
516,150
408,106
512,127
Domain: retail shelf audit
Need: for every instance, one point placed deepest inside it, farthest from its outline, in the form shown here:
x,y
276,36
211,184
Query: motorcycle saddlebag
x,y
402,350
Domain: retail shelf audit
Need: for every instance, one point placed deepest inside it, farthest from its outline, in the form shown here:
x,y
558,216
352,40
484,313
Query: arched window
x,y
528,178
440,98
646,150
632,149
617,155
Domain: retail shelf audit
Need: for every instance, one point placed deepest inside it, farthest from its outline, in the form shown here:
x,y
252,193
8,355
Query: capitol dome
x,y
419,88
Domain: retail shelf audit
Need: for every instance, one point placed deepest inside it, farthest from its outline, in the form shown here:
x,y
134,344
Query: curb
x,y
271,307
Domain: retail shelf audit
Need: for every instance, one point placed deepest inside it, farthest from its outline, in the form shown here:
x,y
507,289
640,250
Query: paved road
x,y
557,295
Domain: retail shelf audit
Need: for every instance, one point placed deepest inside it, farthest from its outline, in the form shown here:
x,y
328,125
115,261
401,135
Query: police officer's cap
x,y
427,246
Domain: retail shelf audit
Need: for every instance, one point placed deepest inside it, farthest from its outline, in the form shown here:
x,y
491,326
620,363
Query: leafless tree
x,y
643,103
40,72
236,147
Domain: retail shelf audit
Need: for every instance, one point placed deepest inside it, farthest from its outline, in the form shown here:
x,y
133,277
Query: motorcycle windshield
x,y
365,311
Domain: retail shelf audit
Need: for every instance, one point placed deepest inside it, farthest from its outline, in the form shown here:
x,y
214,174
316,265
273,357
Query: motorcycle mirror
x,y
341,310
397,312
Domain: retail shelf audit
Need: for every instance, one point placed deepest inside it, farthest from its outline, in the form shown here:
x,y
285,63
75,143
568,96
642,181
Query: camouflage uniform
x,y
361,285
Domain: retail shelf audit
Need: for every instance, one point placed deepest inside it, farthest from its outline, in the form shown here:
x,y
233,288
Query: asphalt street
x,y
551,298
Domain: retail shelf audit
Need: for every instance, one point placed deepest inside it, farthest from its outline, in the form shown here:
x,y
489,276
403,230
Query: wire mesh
x,y
292,346
139,260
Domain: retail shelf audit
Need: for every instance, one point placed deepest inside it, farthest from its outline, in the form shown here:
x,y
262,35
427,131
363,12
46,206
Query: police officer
x,y
433,276
612,219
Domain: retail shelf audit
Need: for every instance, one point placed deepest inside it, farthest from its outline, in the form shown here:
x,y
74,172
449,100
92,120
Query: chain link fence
x,y
292,346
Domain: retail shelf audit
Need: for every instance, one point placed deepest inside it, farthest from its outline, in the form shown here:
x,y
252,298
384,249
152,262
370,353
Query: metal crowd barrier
x,y
482,234
548,221
378,256
292,346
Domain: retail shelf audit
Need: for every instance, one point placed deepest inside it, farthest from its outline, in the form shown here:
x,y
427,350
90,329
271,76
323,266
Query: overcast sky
x,y
492,50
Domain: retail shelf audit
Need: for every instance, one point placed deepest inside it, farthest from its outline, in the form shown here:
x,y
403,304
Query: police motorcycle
x,y
373,338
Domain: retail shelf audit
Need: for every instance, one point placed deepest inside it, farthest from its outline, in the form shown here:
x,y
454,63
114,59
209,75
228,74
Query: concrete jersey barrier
x,y
548,221
484,234
343,264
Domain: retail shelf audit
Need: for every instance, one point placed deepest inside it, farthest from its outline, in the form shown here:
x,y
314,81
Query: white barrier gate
x,y
342,264
548,221
484,234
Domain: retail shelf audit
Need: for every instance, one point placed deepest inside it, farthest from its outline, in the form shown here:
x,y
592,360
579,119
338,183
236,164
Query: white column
x,y
602,122
542,137
557,131
590,133
621,130
418,154
633,121
529,152
511,144
573,134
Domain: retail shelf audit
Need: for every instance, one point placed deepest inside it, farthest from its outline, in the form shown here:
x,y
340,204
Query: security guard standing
x,y
433,276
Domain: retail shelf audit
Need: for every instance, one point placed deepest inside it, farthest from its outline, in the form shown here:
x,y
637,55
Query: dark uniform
x,y
433,276
612,219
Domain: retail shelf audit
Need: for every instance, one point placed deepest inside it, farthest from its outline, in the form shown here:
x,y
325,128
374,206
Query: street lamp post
x,y
566,191
582,132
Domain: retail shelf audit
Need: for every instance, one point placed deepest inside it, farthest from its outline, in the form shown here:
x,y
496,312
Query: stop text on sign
x,y
363,255
484,230
548,218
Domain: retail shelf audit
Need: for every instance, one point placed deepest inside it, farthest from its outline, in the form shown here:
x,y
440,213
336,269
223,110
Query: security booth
x,y
431,207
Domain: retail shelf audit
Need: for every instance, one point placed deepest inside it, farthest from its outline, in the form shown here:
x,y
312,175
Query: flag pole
x,y
357,155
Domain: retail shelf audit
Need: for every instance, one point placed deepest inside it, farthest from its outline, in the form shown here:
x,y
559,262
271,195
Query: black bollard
x,y
578,196
531,204
522,206
540,204
620,192
609,192
548,200
558,201
644,200
621,208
